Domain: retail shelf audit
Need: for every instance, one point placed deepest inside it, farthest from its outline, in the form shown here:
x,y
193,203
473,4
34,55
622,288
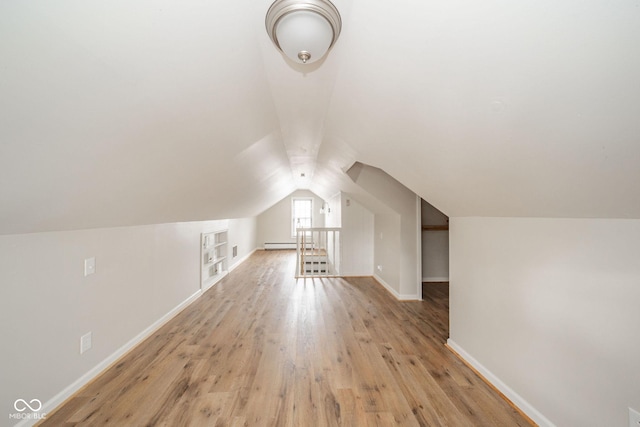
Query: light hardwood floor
x,y
262,349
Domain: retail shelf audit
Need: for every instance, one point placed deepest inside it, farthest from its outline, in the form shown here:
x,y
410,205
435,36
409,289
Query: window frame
x,y
293,213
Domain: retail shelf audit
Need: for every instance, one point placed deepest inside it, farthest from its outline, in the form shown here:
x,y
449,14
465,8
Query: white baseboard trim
x,y
514,397
59,398
209,285
69,391
218,278
395,293
434,279
241,260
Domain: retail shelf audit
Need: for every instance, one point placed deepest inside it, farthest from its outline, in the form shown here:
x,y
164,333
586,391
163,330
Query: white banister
x,y
318,252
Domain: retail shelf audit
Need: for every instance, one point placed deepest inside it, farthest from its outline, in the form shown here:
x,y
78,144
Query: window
x,y
301,212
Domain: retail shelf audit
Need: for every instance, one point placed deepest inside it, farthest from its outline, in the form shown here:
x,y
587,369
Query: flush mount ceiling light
x,y
304,30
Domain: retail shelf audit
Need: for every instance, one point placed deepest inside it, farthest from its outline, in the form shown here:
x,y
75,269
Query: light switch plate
x,y
89,266
85,342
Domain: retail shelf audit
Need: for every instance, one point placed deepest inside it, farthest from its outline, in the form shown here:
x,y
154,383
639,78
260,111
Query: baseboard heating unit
x,y
271,246
268,246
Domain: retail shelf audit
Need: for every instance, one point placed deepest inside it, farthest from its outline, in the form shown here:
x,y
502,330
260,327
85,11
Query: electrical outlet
x,y
89,266
380,268
85,342
634,418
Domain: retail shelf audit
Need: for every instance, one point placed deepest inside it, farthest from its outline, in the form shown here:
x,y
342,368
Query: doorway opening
x,y
435,256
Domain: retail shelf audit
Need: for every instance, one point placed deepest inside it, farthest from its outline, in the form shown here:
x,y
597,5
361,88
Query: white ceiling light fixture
x,y
304,30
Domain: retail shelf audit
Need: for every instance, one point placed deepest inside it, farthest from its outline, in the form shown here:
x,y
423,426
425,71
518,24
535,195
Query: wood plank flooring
x,y
262,349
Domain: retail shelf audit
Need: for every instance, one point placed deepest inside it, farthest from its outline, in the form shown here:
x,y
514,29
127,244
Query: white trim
x,y
435,279
398,296
241,260
213,280
294,232
419,246
70,390
59,398
514,397
386,286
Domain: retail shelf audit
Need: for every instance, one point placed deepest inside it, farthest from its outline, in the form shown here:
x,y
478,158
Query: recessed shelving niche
x,y
213,257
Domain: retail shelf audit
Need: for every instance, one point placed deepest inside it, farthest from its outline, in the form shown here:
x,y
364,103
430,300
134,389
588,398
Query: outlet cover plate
x,y
634,418
89,266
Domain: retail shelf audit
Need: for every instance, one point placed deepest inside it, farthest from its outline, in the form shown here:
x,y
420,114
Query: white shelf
x,y
217,245
215,261
213,257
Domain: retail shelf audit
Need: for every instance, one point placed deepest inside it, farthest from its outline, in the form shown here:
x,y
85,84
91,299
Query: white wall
x,y
435,256
242,233
435,246
551,308
387,246
274,224
142,274
334,216
404,283
357,238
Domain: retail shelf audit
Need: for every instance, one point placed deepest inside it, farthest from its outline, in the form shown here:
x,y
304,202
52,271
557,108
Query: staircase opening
x,y
318,252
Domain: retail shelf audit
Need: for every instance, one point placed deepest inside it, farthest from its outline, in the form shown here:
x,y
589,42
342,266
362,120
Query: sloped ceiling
x,y
136,112
497,108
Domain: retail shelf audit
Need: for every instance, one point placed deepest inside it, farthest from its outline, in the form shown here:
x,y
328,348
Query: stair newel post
x,y
297,253
333,252
304,248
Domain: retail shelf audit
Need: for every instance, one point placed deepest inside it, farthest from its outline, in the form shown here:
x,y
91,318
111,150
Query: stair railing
x,y
318,252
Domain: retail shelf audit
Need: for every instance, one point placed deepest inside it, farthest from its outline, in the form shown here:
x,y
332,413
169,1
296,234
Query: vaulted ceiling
x,y
138,112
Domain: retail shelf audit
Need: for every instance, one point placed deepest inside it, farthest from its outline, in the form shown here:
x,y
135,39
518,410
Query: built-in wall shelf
x,y
438,227
213,257
212,261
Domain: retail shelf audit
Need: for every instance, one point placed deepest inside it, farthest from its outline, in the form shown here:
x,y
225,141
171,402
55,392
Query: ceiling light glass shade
x,y
304,30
